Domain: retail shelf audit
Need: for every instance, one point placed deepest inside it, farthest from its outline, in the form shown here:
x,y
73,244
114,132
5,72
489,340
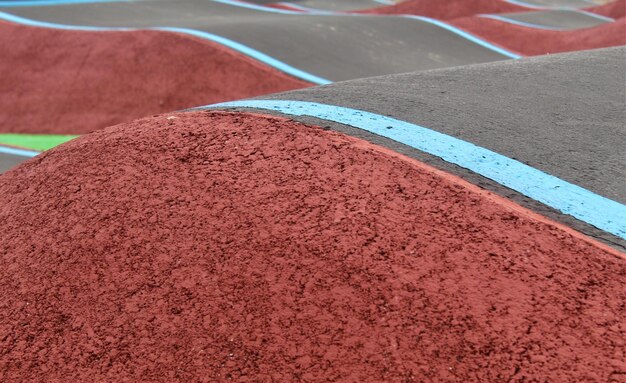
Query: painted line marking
x,y
466,35
243,49
256,7
18,152
306,11
561,195
521,23
539,26
547,7
251,52
595,15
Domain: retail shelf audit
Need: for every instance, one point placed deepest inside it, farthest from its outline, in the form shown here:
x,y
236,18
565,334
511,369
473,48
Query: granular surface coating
x,y
214,246
72,82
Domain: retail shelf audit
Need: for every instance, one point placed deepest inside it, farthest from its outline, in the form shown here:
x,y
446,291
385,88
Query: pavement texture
x,y
329,46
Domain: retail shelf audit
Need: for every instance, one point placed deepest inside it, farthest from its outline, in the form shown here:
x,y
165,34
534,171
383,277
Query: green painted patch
x,y
38,142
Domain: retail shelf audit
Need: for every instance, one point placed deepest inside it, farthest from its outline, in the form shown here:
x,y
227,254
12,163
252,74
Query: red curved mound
x,y
82,81
446,10
530,42
615,9
222,246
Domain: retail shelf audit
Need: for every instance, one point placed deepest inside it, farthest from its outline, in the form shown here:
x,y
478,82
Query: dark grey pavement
x,y
337,6
326,5
329,46
9,161
555,3
563,114
555,19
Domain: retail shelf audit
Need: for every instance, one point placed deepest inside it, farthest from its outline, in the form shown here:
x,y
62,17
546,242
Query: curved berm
x,y
215,246
546,131
533,41
325,47
80,81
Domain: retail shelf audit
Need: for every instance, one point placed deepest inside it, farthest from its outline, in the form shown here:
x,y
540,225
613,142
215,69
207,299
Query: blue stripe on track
x,y
18,152
40,3
466,35
256,7
441,24
561,195
521,23
539,26
594,15
311,11
246,50
528,5
548,7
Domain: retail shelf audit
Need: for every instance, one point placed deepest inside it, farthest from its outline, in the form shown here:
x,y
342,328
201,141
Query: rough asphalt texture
x,y
563,114
332,47
217,247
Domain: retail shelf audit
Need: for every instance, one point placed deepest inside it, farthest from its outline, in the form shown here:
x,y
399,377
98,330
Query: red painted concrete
x,y
226,246
446,10
56,81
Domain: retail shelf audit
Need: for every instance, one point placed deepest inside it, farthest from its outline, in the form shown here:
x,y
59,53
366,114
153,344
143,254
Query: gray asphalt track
x,y
9,161
336,6
333,47
557,3
563,114
556,19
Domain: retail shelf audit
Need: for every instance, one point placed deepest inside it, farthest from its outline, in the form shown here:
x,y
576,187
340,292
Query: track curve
x,y
455,102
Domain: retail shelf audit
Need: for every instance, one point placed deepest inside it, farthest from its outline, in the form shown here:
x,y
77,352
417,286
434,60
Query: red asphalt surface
x,y
215,246
73,82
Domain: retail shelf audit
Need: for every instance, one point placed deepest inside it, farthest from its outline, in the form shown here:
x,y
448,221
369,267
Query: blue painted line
x,y
595,15
310,11
547,7
42,3
539,26
561,195
256,7
251,52
246,50
441,24
528,5
521,23
18,152
466,35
